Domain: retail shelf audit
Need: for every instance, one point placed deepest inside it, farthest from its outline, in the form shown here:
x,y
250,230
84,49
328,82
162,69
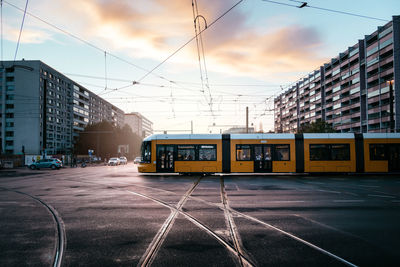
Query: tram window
x,y
207,152
186,152
323,152
146,152
319,152
282,152
340,152
377,152
243,152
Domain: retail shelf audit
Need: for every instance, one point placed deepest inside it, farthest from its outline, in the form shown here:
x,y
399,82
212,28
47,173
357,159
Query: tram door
x,y
262,158
165,158
394,157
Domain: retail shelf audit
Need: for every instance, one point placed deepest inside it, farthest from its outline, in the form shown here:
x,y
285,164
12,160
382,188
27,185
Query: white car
x,y
137,160
113,162
123,160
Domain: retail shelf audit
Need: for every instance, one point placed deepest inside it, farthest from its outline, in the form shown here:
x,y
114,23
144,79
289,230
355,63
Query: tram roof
x,y
183,137
270,136
381,135
263,136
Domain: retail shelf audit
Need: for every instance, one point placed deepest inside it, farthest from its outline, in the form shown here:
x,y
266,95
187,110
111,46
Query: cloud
x,y
286,50
30,35
153,29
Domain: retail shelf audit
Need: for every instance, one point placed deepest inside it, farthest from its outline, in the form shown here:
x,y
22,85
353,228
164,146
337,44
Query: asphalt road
x,y
113,216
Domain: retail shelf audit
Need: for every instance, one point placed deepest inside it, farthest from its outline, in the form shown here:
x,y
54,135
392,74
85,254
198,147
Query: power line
x,y
83,41
324,9
20,30
181,82
190,40
200,53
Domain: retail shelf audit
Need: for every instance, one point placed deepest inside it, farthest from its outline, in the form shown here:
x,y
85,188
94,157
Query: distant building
x,y
238,130
43,111
357,91
140,125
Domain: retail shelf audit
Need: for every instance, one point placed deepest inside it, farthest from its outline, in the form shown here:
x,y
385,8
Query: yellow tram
x,y
271,153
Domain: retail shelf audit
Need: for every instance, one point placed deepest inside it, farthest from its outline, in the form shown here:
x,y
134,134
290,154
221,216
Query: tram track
x,y
234,233
232,248
267,225
158,240
61,241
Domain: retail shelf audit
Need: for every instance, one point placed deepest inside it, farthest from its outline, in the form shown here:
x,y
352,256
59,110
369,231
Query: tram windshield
x,y
146,151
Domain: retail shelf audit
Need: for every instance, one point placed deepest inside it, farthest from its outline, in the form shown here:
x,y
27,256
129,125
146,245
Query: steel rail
x,y
231,224
158,240
198,223
220,239
60,228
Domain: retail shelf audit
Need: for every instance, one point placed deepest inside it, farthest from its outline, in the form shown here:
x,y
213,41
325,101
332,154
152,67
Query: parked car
x,y
113,162
46,163
137,160
123,160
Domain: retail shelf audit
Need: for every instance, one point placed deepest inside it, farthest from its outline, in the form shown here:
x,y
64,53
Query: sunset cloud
x,y
153,29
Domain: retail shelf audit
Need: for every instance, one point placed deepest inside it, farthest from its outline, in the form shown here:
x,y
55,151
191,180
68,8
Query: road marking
x,y
314,183
370,195
348,200
328,191
371,186
350,193
237,187
286,201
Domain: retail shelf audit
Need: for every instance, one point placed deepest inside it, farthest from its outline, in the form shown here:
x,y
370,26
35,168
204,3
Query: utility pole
x,y
247,119
191,127
391,105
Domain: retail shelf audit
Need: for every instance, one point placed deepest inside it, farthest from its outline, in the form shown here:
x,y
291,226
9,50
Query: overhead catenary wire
x,y
189,41
20,30
324,9
83,41
201,54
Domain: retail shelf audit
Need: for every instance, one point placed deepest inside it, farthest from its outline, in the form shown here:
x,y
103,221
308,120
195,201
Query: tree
x,y
318,126
104,138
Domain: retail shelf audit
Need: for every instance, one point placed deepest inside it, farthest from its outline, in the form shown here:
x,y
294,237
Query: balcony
x,y
386,60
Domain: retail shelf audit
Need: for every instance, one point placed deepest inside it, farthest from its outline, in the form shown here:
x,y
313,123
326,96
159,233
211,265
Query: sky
x,y
138,55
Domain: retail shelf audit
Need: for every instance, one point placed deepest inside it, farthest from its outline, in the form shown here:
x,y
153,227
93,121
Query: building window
x,y
243,152
9,143
9,134
325,152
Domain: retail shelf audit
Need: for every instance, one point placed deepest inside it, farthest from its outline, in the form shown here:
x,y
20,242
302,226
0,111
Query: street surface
x,y
113,216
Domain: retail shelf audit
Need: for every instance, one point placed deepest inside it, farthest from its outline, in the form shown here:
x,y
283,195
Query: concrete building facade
x,y
357,91
139,124
42,111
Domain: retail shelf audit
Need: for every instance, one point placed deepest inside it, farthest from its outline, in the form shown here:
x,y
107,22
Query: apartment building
x,y
139,124
43,111
357,91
